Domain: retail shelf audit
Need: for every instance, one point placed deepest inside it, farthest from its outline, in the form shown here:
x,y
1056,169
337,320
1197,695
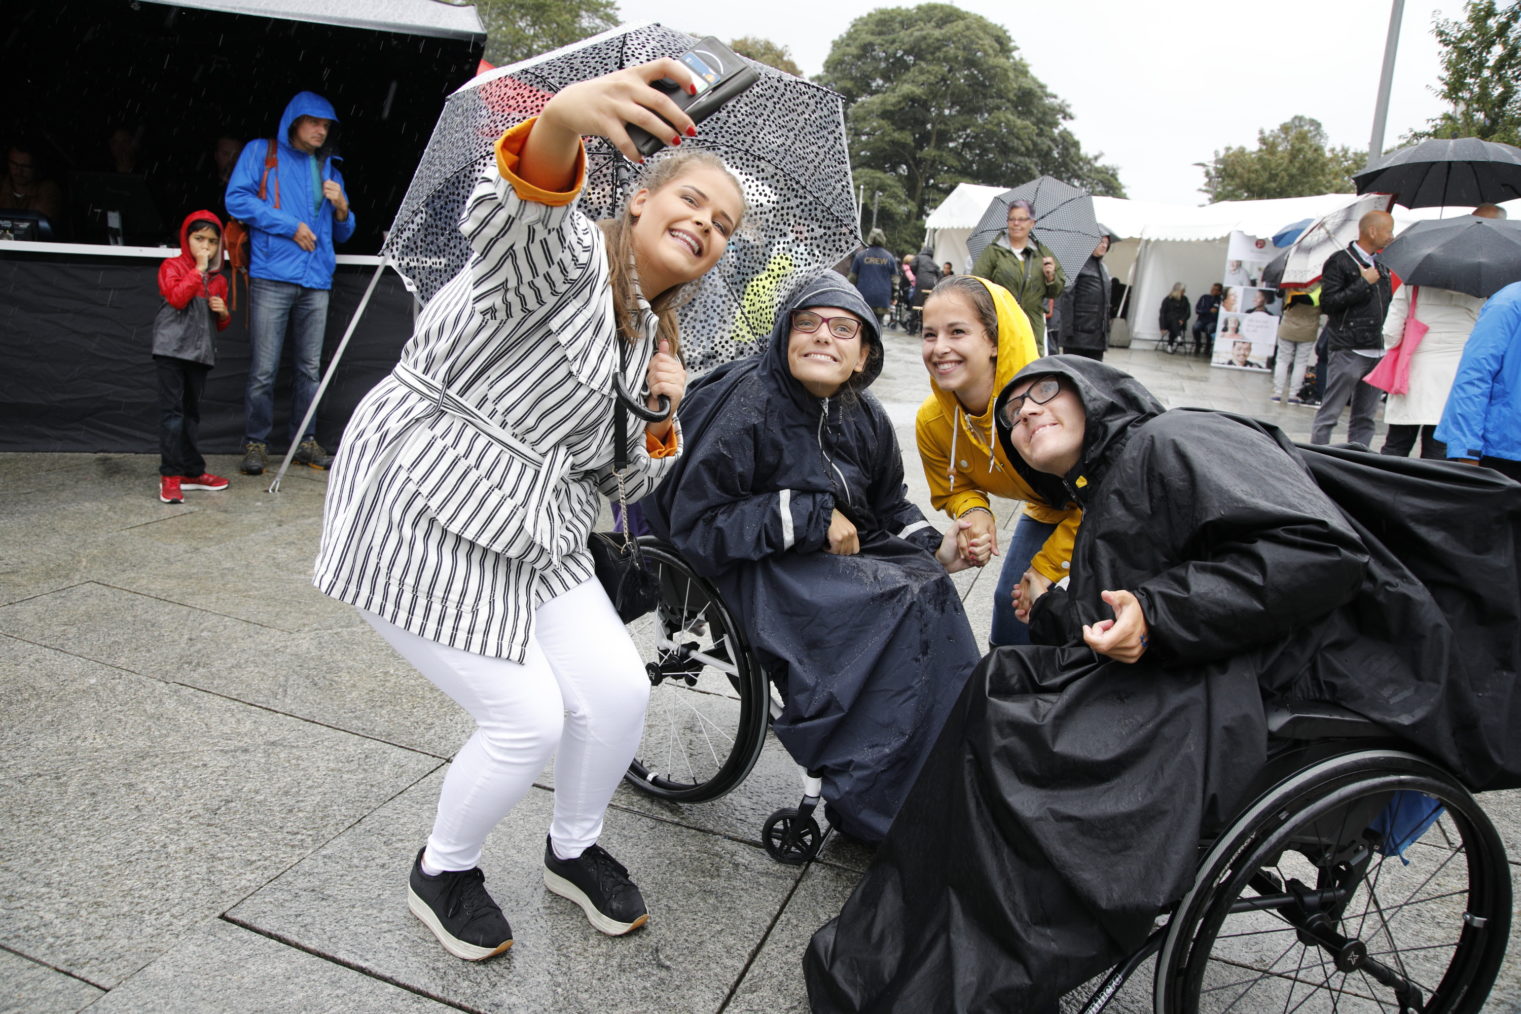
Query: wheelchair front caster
x,y
790,837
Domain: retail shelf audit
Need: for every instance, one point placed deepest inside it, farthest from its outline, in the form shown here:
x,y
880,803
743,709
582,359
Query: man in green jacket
x,y
1024,267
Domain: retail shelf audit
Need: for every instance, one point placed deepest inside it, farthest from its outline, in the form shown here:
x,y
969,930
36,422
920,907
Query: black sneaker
x,y
255,457
309,452
456,907
600,885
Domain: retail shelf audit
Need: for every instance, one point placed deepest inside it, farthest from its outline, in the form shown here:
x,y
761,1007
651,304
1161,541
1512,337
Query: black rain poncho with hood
x,y
1057,814
869,651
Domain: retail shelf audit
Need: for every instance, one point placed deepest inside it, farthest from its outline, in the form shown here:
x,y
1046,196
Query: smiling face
x,y
958,351
822,360
1048,436
1019,223
681,230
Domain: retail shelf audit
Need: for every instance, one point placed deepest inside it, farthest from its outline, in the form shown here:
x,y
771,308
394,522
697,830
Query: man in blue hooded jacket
x,y
302,212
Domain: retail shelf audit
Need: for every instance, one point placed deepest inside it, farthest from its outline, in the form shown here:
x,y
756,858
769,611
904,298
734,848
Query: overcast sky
x,y
1156,88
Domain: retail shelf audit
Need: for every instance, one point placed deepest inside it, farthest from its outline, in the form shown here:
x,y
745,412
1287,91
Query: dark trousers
x,y
1401,438
180,383
1505,466
1344,384
1097,354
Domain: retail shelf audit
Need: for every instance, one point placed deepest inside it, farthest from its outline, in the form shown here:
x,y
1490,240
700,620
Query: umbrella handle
x,y
635,403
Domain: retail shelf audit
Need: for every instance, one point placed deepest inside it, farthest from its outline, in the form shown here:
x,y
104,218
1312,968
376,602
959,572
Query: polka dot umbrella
x,y
784,138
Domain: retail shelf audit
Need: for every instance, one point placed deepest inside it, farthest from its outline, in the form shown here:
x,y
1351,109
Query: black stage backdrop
x,y
77,374
177,78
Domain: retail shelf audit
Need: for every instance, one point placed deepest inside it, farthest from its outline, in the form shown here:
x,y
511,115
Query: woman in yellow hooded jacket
x,y
976,338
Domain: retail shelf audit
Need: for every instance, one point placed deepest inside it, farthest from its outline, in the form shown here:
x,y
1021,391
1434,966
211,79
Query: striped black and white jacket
x,y
467,482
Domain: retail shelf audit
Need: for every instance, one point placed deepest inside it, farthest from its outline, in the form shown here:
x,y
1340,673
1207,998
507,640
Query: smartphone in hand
x,y
719,73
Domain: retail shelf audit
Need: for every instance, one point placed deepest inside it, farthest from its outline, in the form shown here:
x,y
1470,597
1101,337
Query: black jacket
x,y
1354,308
869,651
1055,816
1174,313
1082,310
926,271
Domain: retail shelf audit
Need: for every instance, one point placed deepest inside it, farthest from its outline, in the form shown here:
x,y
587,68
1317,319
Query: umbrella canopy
x,y
784,139
1463,172
1289,233
1064,222
1479,256
1299,266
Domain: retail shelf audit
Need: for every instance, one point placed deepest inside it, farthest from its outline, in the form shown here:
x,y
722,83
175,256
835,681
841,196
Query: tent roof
x,y
964,206
408,17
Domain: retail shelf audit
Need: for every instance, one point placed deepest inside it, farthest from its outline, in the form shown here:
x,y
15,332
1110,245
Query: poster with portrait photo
x,y
1242,342
1249,254
1260,301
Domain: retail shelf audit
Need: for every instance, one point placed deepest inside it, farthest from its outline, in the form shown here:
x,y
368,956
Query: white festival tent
x,y
1160,244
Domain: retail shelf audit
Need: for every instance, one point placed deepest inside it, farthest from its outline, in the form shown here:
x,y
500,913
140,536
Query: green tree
x,y
1481,73
1293,160
518,29
767,52
935,97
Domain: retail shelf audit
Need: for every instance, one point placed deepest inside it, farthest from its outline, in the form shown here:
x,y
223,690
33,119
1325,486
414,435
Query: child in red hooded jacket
x,y
195,299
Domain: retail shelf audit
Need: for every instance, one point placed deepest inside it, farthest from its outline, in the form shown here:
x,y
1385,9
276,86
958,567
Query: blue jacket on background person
x,y
297,180
1483,414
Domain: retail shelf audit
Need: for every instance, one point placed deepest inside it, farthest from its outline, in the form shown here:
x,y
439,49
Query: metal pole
x,y
332,368
861,204
1386,80
876,199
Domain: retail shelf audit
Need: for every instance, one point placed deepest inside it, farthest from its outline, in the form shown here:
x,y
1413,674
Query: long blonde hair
x,y
620,251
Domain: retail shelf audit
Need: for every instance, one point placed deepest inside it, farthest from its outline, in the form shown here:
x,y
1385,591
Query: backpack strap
x,y
271,161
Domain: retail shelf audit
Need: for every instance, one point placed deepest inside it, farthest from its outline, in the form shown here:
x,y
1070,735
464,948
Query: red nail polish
x,y
691,131
675,140
692,88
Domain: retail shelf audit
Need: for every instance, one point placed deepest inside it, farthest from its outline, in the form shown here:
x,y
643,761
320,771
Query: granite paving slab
x,y
224,968
27,987
710,900
152,807
346,678
774,982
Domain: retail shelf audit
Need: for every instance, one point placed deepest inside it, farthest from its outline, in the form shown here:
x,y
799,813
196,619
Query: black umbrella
x,y
1464,172
1479,256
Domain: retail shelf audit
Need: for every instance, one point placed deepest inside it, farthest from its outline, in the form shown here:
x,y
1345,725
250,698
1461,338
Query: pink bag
x,y
1392,373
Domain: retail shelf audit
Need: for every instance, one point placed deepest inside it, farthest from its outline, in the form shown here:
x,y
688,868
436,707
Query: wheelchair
x,y
710,705
1360,876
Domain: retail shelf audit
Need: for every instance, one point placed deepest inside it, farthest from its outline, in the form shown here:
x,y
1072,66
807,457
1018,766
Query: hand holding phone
x,y
719,75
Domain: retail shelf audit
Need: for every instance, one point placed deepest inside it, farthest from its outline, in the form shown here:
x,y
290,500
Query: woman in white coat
x,y
1450,317
459,507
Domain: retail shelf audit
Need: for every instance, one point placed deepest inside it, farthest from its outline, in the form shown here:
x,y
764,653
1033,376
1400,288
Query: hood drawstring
x,y
993,465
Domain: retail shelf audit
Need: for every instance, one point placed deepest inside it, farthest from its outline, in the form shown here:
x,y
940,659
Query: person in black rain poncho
x,y
790,498
1058,812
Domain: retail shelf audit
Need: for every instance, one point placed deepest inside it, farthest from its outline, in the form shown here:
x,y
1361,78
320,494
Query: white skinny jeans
x,y
581,689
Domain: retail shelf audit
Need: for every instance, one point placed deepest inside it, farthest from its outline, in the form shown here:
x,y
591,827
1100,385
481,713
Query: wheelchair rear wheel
x,y
1296,908
706,721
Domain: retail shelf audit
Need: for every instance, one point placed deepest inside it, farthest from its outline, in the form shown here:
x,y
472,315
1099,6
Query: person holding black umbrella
x,y
1354,294
1447,317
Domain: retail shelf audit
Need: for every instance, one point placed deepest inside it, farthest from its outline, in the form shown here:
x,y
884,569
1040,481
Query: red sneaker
x,y
169,489
203,481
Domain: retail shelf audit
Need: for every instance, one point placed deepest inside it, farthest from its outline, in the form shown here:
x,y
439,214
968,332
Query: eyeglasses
x,y
808,322
1040,392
